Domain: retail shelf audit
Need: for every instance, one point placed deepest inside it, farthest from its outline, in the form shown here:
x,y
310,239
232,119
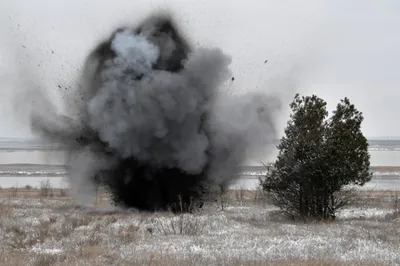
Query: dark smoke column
x,y
149,111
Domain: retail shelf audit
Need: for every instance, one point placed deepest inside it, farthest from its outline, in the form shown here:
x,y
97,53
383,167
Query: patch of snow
x,y
363,213
46,250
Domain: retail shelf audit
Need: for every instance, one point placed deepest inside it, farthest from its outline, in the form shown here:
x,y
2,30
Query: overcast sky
x,y
333,48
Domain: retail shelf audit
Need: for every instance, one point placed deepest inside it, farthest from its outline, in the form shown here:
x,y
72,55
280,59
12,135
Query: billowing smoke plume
x,y
153,125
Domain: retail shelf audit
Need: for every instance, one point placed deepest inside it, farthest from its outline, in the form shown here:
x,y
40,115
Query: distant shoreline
x,y
23,165
371,168
29,144
60,169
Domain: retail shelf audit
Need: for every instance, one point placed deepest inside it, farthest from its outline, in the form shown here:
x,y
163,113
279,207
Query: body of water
x,y
30,163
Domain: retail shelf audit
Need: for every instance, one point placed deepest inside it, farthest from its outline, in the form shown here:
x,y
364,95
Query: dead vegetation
x,y
37,230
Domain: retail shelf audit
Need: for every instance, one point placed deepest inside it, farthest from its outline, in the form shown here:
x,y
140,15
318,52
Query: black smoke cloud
x,y
151,122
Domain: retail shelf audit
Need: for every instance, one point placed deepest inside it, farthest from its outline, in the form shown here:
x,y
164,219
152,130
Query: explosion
x,y
152,124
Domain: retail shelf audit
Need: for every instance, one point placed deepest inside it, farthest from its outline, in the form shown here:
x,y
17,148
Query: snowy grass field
x,y
36,230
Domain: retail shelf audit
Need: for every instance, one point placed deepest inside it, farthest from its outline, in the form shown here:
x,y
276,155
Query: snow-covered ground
x,y
38,231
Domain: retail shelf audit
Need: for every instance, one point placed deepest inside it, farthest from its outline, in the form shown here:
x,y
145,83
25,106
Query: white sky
x,y
333,48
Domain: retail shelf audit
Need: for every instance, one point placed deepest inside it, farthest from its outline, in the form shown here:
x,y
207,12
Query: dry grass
x,y
37,230
182,224
233,195
384,168
92,252
24,192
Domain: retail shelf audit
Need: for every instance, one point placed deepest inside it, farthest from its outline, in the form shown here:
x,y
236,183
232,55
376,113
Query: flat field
x,y
52,230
